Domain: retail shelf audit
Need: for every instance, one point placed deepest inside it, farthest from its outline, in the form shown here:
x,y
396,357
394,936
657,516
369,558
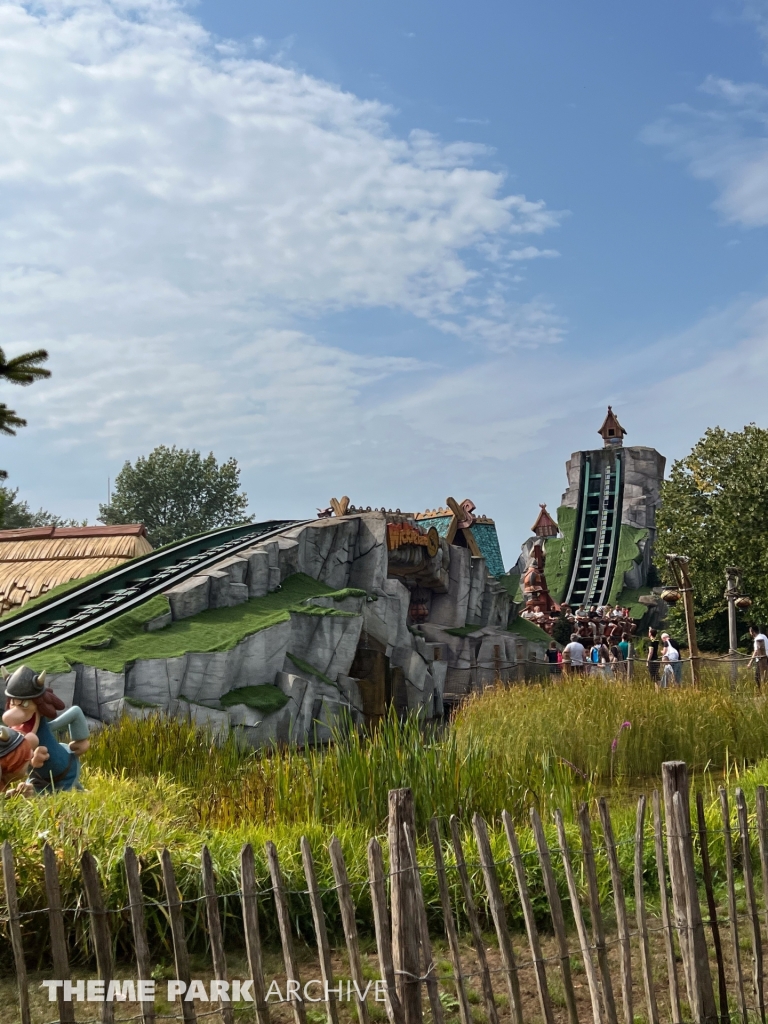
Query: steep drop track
x,y
97,601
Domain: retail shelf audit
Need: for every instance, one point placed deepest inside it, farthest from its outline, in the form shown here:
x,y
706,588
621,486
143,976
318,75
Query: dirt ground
x,y
45,1012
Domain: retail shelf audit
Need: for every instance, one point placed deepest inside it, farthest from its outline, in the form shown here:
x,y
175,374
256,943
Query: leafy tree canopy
x,y
17,515
176,492
714,508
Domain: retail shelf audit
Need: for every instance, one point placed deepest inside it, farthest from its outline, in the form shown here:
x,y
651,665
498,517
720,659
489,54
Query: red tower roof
x,y
545,525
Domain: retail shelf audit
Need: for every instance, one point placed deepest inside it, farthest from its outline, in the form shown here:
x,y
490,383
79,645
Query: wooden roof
x,y
34,561
545,525
611,427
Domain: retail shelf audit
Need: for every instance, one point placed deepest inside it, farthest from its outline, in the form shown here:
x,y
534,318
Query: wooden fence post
x,y
474,924
666,924
642,922
58,934
321,931
762,835
138,927
620,906
347,908
712,908
251,929
684,892
9,877
284,926
598,933
465,1013
102,940
214,931
556,912
732,908
383,933
752,915
405,935
498,913
176,914
427,960
573,892
530,920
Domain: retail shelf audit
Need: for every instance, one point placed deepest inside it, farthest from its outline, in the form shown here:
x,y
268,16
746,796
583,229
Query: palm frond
x,y
9,421
24,369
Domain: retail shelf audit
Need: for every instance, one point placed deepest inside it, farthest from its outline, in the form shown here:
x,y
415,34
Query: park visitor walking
x,y
759,654
575,655
652,661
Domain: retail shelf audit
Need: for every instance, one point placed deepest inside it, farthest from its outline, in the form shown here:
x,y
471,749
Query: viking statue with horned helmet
x,y
33,711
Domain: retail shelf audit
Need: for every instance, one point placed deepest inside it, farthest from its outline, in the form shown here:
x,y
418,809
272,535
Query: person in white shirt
x,y
759,654
671,656
574,654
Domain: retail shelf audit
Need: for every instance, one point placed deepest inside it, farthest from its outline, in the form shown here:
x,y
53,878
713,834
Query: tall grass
x,y
580,721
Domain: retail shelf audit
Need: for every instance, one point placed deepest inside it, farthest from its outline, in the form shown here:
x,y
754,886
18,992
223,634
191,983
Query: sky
x,y
396,251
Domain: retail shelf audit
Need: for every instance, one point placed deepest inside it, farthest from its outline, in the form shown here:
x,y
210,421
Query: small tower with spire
x,y
545,526
612,431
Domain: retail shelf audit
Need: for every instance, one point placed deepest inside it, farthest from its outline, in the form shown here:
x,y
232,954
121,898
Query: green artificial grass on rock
x,y
266,698
218,629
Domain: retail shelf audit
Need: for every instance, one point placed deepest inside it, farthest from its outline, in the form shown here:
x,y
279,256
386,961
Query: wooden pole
x,y
214,931
474,924
176,913
530,920
732,907
465,1014
573,892
712,908
11,899
620,907
498,913
752,915
383,934
405,936
284,927
251,930
679,564
321,931
556,912
58,934
642,921
762,836
427,960
102,940
347,908
598,933
666,923
674,775
139,928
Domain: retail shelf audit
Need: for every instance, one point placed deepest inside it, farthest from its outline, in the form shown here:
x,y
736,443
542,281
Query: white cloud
x,y
175,217
725,143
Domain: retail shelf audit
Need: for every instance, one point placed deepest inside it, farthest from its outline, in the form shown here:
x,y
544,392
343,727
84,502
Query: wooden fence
x,y
697,973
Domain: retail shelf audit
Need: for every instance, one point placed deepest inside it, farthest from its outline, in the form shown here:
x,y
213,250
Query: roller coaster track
x,y
97,601
599,526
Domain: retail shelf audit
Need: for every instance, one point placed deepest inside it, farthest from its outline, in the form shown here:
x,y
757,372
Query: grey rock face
x,y
217,722
155,680
272,730
451,609
63,685
189,598
287,556
159,622
326,550
327,642
258,572
225,593
496,605
369,567
235,567
385,618
96,687
478,577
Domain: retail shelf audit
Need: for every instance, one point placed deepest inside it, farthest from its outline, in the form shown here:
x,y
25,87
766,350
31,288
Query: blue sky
x,y
397,251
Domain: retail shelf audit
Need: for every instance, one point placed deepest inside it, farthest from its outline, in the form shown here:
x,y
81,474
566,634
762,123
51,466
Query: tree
x,y
176,493
22,370
714,509
17,515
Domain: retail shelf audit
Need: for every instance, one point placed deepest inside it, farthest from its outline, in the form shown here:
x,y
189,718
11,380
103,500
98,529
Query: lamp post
x,y
736,598
679,566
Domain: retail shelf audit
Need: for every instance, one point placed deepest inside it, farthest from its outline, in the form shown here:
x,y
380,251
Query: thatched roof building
x,y
34,561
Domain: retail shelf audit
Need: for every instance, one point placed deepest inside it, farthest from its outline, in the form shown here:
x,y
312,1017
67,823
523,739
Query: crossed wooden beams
x,y
462,519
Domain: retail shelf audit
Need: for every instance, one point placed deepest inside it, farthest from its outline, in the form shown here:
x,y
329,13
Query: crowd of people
x,y
608,655
606,621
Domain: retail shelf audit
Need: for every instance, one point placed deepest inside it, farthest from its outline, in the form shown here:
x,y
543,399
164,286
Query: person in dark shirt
x,y
652,661
553,655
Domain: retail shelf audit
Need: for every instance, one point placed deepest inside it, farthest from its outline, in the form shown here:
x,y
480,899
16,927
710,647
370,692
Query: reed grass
x,y
161,782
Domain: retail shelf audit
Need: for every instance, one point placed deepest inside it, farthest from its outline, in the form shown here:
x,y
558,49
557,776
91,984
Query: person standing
x,y
576,654
759,654
652,661
671,657
553,659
